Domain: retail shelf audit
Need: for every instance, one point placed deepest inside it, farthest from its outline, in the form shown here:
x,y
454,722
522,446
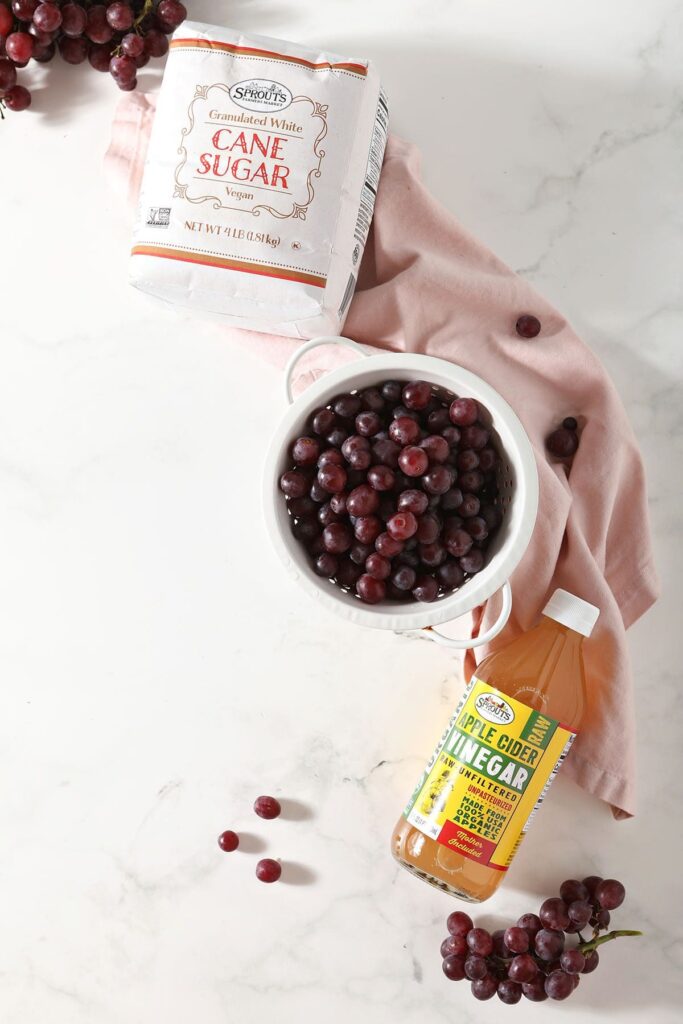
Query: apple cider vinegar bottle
x,y
498,756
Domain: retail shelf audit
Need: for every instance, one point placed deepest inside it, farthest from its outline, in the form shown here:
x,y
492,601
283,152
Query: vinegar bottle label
x,y
488,775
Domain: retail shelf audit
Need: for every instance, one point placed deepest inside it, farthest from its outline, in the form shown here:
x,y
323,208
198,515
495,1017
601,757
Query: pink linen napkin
x,y
427,286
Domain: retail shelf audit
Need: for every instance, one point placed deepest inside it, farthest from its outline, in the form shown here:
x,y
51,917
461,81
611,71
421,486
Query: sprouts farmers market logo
x,y
260,94
494,709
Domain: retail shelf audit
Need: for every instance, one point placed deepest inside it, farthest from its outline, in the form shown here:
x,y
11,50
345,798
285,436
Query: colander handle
x,y
463,645
331,339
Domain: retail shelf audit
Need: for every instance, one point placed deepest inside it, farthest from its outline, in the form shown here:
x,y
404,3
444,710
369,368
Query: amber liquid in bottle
x,y
543,669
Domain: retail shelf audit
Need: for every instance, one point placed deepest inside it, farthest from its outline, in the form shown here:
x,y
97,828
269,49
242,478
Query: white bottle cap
x,y
572,611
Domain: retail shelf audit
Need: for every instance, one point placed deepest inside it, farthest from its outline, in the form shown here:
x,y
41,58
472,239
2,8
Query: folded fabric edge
x,y
615,790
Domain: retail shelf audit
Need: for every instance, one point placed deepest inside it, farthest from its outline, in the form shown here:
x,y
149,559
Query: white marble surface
x,y
159,670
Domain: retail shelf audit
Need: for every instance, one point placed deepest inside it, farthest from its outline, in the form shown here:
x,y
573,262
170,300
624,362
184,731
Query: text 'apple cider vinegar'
x,y
499,754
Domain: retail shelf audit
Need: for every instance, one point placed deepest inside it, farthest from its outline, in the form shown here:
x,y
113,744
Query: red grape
x,y
123,72
469,506
531,924
172,12
484,988
368,423
305,450
601,919
458,542
413,461
438,480
463,412
553,913
367,528
548,943
17,98
332,478
417,394
475,436
404,430
516,939
404,578
591,883
391,391
8,75
509,992
74,20
372,400
459,923
453,967
476,967
450,575
97,28
426,589
572,961
347,573
438,420
267,807
156,43
472,481
610,893
488,458
453,945
382,478
347,407
432,555
73,51
6,20
436,447
293,483
580,912
386,451
268,870
326,565
337,538
402,526
572,889
479,941
324,419
359,552
47,17
592,961
19,47
523,968
559,985
228,841
377,566
99,55
24,9
562,443
528,326
388,546
370,590
120,16
362,501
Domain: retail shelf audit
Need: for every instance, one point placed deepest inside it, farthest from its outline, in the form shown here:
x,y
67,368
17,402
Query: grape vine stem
x,y
588,947
147,9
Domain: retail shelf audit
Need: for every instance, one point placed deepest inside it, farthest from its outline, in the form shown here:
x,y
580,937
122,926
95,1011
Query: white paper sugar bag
x,y
260,181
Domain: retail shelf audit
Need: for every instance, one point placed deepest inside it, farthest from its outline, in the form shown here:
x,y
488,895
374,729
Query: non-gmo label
x,y
260,94
488,775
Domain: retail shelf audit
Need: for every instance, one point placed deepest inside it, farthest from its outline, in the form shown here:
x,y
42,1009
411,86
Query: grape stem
x,y
588,947
147,9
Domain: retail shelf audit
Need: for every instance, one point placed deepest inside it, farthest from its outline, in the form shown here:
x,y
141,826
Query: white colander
x,y
517,480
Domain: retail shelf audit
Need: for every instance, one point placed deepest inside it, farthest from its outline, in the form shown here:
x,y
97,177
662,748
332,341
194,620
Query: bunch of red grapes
x,y
531,958
116,36
393,491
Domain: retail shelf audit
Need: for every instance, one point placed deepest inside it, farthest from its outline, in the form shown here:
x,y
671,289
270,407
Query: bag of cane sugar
x,y
260,181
